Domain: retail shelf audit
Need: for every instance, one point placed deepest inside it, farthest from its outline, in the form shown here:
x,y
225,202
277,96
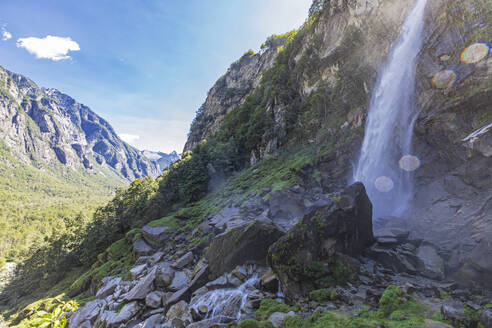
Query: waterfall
x,y
385,162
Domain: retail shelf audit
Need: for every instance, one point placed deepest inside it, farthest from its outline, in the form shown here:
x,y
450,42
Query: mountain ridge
x,y
44,124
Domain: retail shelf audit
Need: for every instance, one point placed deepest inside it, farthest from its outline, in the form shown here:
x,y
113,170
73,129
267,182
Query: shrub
x,y
269,306
391,300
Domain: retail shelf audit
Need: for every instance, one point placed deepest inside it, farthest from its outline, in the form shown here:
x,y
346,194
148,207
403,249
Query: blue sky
x,y
144,65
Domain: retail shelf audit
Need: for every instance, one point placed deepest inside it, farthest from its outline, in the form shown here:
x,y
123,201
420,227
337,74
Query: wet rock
x,y
141,248
277,318
218,283
313,250
240,272
142,288
179,311
87,313
183,261
154,299
240,245
430,264
179,281
164,275
156,236
212,322
109,287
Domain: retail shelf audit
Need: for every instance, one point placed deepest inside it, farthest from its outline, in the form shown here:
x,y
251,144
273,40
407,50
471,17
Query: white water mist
x,y
389,126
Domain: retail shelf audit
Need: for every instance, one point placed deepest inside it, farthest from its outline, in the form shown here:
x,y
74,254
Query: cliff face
x,y
328,72
230,91
48,126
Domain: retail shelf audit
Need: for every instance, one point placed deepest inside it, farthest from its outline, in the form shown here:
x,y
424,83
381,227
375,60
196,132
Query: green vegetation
x,y
323,295
396,310
255,324
269,306
57,318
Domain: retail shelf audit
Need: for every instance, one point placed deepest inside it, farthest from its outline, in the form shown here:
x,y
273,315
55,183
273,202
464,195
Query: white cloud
x,y
6,35
51,47
130,138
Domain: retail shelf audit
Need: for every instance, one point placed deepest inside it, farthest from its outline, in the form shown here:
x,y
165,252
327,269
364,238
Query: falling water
x,y
388,132
229,301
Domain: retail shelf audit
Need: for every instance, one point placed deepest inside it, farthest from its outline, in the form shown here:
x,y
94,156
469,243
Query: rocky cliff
x,y
328,72
48,126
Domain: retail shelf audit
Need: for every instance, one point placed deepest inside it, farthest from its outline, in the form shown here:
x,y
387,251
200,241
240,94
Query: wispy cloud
x,y
130,138
6,35
50,47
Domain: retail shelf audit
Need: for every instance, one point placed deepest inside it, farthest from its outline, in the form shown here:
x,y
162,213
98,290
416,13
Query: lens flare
x,y
444,79
384,184
475,52
409,163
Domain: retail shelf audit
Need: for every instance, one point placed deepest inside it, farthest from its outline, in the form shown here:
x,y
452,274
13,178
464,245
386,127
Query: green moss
x,y
391,300
323,295
255,324
472,317
269,306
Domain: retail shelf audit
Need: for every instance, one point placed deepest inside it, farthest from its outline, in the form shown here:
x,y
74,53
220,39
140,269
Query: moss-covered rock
x,y
314,252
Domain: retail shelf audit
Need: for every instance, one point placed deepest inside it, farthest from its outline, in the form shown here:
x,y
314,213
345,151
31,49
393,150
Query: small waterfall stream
x,y
228,302
385,162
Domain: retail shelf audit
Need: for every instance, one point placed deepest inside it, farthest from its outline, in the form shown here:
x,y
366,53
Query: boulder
x,y
154,299
244,244
156,236
183,261
87,313
478,266
142,288
151,322
179,281
178,296
141,248
164,275
314,252
108,288
452,311
199,276
269,281
430,264
277,318
128,311
179,311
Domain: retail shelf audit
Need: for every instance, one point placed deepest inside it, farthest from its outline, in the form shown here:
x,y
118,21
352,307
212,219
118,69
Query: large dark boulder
x,y
315,252
244,244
